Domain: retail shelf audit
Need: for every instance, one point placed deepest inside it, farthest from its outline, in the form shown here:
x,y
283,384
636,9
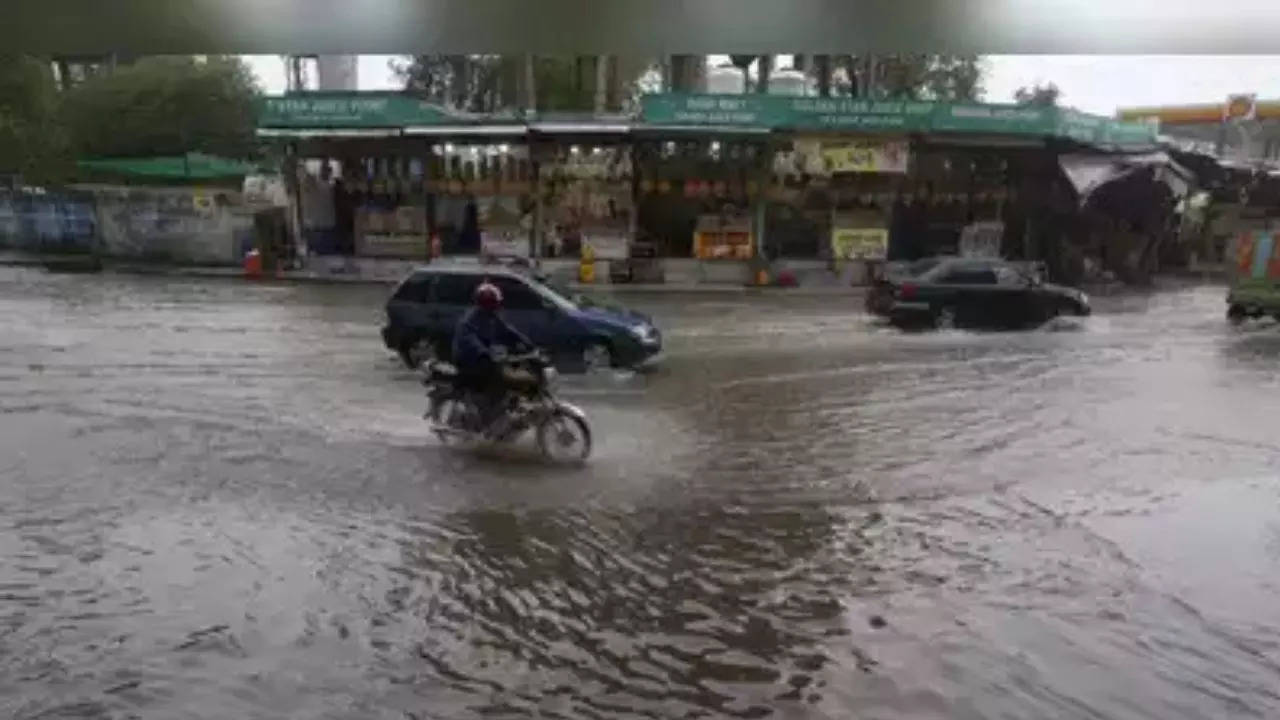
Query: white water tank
x,y
725,80
788,82
336,72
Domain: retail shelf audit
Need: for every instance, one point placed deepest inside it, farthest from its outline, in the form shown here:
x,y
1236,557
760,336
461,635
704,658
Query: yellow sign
x,y
1240,107
861,156
202,203
859,243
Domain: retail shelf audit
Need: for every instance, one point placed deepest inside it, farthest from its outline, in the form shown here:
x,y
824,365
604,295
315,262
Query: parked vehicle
x,y
967,292
1255,278
425,308
880,294
561,429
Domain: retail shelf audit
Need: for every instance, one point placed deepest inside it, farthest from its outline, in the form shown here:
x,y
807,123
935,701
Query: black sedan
x,y
966,292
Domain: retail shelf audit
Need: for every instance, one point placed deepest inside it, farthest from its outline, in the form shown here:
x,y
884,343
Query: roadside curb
x,y
295,276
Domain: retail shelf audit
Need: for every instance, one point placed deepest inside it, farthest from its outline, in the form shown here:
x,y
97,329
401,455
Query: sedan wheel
x,y
945,318
417,353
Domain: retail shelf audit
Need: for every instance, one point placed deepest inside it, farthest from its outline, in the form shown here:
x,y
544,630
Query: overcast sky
x,y
1093,83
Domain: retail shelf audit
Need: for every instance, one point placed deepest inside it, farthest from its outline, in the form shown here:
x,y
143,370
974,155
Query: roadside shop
x,y
388,176
705,188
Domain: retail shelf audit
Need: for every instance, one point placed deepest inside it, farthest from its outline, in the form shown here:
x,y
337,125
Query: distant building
x,y
70,70
1241,127
322,72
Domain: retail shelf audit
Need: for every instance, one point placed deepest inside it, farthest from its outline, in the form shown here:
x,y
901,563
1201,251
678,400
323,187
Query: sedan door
x,y
1016,302
970,290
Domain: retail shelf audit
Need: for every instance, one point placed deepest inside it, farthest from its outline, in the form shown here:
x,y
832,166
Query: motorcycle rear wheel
x,y
449,416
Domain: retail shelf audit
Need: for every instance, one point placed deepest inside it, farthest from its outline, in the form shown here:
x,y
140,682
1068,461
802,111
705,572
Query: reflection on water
x,y
221,502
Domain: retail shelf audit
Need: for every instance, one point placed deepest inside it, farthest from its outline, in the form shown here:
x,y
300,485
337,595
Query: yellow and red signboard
x,y
866,156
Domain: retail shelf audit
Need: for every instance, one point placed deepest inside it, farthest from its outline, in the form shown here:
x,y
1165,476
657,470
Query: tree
x,y
917,76
743,63
165,106
1038,95
490,83
32,140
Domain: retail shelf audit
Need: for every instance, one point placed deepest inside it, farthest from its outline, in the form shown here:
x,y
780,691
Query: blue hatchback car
x,y
427,305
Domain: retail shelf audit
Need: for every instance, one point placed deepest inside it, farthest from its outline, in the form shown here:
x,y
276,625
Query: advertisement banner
x,y
866,156
392,245
504,242
849,243
607,246
981,239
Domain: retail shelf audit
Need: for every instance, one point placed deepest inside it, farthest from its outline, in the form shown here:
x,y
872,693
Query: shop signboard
x,y
607,245
981,239
392,244
853,115
866,156
507,242
859,243
351,110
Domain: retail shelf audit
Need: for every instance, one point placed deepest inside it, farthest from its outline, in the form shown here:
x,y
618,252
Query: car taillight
x,y
906,291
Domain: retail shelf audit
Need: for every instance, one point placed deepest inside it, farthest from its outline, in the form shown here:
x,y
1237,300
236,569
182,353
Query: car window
x,y
416,288
516,295
456,288
969,276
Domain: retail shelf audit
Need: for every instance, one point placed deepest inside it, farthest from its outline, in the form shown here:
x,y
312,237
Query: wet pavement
x,y
219,500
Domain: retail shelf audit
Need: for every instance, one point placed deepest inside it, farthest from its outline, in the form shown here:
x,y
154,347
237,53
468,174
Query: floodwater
x,y
219,501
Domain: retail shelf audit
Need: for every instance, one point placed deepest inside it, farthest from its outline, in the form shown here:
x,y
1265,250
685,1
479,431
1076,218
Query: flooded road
x,y
219,501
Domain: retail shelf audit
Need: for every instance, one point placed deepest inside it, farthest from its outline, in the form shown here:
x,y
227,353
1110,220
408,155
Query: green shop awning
x,y
782,112
193,166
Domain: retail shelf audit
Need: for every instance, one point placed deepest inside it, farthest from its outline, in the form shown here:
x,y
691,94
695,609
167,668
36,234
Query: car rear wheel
x,y
415,353
945,318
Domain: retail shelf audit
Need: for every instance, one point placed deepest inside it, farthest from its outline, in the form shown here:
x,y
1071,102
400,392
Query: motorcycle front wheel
x,y
563,437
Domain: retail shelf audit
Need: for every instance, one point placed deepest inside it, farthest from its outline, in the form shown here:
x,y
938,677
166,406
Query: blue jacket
x,y
476,335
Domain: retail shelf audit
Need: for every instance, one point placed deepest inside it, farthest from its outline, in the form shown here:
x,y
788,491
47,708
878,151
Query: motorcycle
x,y
559,426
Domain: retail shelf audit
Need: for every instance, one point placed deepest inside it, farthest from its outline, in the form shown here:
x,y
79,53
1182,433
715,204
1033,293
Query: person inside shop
x,y
318,210
344,218
480,331
469,233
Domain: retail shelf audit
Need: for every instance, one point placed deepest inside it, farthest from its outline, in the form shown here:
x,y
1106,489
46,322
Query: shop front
x,y
854,182
385,176
700,201
586,192
480,193
830,202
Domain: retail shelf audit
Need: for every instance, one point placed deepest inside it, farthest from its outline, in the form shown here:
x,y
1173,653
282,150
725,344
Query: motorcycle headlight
x,y
549,376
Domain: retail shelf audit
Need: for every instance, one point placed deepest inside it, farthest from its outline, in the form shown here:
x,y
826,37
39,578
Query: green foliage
x,y
32,142
907,76
1039,95
164,106
493,83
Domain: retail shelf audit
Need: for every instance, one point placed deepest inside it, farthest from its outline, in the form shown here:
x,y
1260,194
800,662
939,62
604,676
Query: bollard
x,y
587,266
253,264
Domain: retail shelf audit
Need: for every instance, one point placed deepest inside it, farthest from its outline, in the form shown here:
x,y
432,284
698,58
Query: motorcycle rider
x,y
479,332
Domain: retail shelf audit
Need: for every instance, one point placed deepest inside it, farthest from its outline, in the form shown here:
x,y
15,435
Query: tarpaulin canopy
x,y
193,165
1089,172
